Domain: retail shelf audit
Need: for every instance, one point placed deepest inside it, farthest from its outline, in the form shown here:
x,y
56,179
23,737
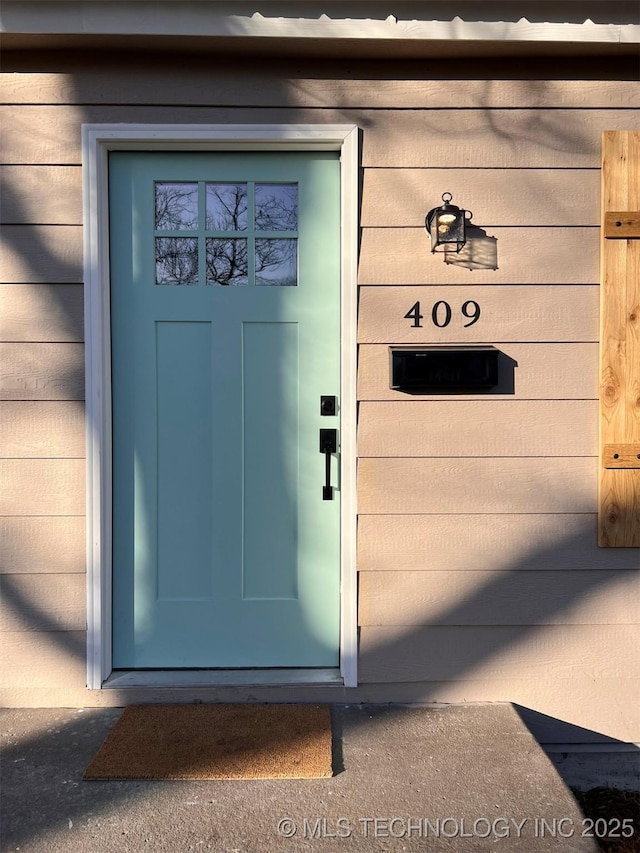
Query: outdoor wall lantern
x,y
447,226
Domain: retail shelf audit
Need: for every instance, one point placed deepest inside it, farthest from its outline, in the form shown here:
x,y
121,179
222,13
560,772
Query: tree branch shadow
x,y
27,824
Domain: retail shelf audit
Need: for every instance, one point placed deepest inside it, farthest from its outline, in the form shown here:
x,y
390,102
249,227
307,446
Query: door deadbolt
x,y
327,404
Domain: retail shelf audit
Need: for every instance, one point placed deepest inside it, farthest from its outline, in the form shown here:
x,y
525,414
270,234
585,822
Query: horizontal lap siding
x,y
540,366
39,660
43,194
485,427
460,497
29,604
556,652
512,255
524,598
42,544
37,430
486,541
42,469
467,485
545,196
41,371
278,86
42,254
440,138
511,313
42,487
41,313
42,429
477,532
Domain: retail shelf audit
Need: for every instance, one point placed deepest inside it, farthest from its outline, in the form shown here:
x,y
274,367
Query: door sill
x,y
221,677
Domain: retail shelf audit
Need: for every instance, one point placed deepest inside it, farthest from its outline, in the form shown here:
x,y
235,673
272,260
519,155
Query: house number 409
x,y
441,314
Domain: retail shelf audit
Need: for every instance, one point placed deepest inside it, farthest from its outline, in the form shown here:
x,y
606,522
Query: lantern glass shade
x,y
447,227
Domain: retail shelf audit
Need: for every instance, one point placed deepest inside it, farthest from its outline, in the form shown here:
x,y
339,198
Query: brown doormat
x,y
217,742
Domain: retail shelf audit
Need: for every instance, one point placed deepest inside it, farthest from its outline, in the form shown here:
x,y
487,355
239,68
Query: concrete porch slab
x,y
454,778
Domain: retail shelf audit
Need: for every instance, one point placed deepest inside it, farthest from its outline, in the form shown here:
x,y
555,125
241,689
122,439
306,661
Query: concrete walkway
x,y
455,779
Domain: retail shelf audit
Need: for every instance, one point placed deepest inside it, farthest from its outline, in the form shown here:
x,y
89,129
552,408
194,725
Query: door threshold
x,y
221,677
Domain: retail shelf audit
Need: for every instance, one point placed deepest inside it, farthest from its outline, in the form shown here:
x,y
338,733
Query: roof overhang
x,y
469,28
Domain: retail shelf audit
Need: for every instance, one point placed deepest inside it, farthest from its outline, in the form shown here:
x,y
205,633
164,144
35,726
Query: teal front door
x,y
225,316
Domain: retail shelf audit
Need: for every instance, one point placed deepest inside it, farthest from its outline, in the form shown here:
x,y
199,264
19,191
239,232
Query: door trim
x,y
97,141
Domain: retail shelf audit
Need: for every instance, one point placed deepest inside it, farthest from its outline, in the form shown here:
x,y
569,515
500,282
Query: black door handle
x,y
328,445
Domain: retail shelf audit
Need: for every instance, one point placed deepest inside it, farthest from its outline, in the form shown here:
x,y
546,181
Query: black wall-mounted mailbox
x,y
444,368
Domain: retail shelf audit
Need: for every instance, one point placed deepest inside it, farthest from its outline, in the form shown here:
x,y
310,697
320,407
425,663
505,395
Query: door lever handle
x,y
328,445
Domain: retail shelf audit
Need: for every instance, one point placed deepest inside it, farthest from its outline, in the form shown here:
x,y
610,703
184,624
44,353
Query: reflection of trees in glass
x,y
226,207
277,262
276,210
176,260
176,206
227,261
276,207
226,257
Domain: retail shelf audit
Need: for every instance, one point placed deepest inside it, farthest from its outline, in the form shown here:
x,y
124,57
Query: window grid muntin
x,y
251,233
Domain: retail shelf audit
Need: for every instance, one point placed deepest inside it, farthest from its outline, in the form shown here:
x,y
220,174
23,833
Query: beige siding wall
x,y
479,575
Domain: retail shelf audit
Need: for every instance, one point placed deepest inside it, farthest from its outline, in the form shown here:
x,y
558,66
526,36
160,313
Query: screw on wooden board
x,y
621,224
621,456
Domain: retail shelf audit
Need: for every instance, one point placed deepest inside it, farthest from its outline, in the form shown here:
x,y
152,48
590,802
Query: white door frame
x,y
97,141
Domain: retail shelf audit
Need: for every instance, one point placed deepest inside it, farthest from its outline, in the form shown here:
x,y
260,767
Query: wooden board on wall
x,y
42,544
41,312
552,313
482,542
528,372
619,490
398,486
514,138
498,598
484,427
36,371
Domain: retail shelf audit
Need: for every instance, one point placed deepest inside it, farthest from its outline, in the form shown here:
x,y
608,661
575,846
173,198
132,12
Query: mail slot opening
x,y
435,368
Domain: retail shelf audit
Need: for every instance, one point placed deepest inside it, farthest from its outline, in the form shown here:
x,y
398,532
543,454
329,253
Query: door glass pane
x,y
227,261
176,260
226,207
277,262
276,207
176,206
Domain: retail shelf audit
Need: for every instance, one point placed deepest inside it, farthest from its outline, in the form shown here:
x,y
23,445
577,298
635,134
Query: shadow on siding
x,y
469,654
